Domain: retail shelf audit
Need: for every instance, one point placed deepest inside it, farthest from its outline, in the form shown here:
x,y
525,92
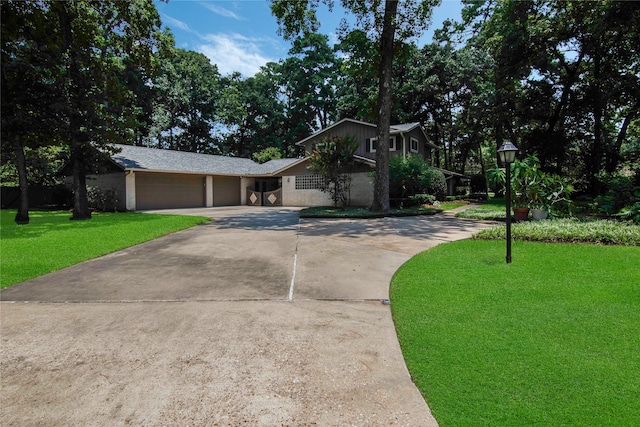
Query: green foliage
x,y
569,230
310,77
550,339
478,183
620,191
332,158
71,73
408,176
437,184
51,242
484,214
187,89
533,188
43,166
423,199
630,213
412,175
269,153
103,200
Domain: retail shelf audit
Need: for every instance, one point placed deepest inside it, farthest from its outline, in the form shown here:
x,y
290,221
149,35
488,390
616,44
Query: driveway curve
x,y
256,318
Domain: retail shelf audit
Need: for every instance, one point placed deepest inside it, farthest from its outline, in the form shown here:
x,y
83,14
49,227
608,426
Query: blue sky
x,y
241,35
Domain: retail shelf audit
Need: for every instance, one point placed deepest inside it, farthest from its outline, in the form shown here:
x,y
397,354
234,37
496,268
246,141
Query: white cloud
x,y
219,10
175,23
234,52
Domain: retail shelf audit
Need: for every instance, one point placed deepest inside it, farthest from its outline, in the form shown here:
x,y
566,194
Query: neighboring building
x,y
148,178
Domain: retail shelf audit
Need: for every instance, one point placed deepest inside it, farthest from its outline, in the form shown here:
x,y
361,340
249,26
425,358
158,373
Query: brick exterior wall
x,y
361,192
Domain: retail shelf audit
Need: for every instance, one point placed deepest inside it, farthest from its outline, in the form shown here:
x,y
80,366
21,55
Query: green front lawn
x,y
51,241
493,209
550,339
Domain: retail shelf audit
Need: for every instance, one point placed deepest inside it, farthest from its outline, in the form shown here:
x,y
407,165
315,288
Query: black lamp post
x,y
507,153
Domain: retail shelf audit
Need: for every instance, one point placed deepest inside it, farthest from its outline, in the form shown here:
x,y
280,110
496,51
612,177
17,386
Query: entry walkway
x,y
257,318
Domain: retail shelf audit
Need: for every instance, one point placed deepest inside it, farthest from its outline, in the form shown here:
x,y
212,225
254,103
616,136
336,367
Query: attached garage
x,y
167,191
150,178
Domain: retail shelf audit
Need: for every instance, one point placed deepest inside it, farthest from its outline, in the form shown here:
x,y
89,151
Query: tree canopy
x,y
560,79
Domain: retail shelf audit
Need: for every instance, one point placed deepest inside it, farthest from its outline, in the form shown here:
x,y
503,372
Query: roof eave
x,y
296,163
320,132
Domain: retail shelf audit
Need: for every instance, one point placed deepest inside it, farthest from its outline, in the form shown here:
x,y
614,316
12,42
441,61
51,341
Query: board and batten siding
x,y
363,132
359,131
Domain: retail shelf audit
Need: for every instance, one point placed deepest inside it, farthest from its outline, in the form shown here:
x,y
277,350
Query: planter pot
x,y
521,214
539,214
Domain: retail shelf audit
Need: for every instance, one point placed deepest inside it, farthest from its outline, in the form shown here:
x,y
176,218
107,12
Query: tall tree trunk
x,y
481,160
596,152
441,153
22,216
381,184
66,12
80,200
613,155
445,152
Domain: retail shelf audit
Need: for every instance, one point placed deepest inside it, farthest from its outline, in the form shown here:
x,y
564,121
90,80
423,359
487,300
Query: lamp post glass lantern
x,y
507,153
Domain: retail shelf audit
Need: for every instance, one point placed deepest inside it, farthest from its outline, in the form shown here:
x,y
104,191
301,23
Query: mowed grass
x,y
551,339
51,241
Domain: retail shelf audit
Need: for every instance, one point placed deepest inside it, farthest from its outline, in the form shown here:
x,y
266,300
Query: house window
x,y
414,145
372,144
309,182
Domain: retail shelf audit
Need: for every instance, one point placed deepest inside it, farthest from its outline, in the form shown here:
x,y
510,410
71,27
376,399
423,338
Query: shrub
x,y
407,176
412,175
630,213
478,183
104,201
570,230
620,191
332,158
423,199
437,184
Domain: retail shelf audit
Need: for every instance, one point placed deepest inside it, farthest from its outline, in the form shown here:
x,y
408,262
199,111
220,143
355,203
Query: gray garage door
x,y
226,191
167,191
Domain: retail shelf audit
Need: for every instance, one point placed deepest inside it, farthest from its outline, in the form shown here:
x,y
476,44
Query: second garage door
x,y
168,191
226,191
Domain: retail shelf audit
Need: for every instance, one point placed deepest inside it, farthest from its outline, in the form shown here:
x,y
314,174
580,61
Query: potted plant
x,y
532,190
525,177
544,191
537,193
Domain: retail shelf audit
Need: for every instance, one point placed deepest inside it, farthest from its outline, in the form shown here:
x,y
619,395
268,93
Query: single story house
x,y
149,178
145,178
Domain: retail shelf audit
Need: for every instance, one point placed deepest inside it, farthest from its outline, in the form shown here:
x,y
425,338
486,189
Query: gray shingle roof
x,y
403,127
153,159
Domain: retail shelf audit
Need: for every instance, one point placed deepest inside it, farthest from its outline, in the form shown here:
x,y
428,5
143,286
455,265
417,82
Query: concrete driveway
x,y
257,318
